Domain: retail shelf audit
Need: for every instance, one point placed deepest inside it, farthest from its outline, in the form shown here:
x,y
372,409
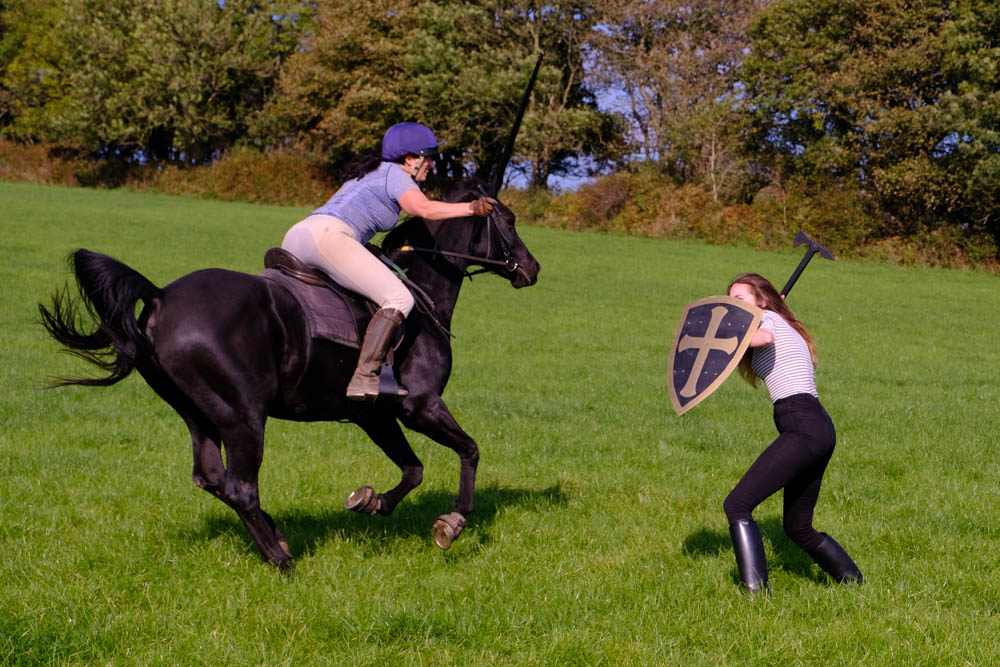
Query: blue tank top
x,y
370,204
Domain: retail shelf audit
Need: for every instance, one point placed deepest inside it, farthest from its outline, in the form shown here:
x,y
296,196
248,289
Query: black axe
x,y
814,248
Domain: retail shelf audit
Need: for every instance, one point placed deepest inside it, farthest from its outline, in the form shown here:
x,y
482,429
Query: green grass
x,y
598,536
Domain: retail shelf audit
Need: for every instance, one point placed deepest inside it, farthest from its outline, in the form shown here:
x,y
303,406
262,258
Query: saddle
x,y
332,311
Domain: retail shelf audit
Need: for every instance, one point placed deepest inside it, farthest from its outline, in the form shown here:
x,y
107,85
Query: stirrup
x,y
372,387
387,385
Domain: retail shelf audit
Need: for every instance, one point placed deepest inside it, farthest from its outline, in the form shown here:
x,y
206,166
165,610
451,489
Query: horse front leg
x,y
385,432
432,418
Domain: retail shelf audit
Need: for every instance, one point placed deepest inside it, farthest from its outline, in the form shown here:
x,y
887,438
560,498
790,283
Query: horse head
x,y
495,239
491,243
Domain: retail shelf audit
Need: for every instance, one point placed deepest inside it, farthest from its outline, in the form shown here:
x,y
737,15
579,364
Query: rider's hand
x,y
483,206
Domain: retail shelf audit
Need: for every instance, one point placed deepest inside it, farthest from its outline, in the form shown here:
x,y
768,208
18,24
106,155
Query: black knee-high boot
x,y
836,562
750,558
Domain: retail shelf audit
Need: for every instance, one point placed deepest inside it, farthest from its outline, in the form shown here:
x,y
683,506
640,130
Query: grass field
x,y
598,536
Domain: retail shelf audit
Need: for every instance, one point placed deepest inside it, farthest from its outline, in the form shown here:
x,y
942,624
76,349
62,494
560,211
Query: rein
x,y
508,262
511,264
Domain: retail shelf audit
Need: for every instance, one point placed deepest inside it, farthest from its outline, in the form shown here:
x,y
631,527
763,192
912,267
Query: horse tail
x,y
109,291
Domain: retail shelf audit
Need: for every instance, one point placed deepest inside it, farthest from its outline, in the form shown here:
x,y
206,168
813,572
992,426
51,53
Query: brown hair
x,y
764,291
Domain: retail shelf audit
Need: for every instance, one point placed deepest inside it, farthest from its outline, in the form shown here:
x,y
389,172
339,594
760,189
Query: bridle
x,y
509,262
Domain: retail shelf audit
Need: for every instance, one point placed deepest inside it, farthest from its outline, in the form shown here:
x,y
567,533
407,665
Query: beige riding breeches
x,y
329,244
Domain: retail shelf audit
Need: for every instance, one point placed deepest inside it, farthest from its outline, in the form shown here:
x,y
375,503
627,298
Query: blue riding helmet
x,y
404,139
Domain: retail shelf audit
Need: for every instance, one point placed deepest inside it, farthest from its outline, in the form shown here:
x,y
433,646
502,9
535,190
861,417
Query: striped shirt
x,y
785,365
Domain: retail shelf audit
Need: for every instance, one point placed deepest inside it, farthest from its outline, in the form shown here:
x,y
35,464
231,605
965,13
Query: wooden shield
x,y
712,336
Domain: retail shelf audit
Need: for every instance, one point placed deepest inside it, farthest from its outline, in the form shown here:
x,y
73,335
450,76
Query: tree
x,y
32,65
345,83
169,80
459,67
563,123
678,64
897,97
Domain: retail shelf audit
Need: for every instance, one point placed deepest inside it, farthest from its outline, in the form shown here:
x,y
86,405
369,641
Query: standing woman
x,y
333,238
782,354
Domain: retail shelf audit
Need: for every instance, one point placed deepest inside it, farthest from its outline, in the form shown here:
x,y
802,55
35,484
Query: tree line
x,y
894,102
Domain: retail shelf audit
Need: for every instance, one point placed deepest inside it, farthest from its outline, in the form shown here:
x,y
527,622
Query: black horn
x,y
509,148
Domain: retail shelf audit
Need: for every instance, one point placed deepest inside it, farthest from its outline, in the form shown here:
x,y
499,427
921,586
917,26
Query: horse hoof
x,y
447,528
284,547
364,500
282,559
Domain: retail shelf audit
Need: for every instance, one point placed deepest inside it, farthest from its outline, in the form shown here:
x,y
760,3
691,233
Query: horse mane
x,y
414,231
466,189
411,232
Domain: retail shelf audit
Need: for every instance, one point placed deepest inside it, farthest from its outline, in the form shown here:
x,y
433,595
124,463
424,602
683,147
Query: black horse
x,y
227,350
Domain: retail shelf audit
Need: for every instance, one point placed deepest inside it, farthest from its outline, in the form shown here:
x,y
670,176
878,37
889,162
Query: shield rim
x,y
733,363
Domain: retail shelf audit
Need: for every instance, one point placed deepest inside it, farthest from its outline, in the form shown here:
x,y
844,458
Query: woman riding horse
x,y
332,238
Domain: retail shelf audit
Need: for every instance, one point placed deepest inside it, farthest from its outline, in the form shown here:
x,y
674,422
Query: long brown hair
x,y
763,290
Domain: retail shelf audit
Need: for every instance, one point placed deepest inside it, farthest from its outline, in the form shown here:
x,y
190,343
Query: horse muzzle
x,y
523,273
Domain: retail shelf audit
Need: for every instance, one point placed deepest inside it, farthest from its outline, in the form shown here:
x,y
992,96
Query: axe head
x,y
802,237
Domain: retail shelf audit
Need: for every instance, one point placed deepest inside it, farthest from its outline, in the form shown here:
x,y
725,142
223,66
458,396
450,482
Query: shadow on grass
x,y
308,530
787,555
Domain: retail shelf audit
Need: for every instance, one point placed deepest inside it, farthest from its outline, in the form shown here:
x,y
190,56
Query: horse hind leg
x,y
385,433
208,470
244,445
235,482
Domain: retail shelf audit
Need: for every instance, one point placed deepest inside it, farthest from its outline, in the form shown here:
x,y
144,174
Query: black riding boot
x,y
750,559
834,560
379,337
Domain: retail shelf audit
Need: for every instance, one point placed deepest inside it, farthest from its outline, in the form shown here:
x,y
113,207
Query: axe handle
x,y
798,271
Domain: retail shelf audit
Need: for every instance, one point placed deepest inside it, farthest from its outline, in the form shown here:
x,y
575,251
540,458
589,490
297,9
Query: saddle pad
x,y
330,316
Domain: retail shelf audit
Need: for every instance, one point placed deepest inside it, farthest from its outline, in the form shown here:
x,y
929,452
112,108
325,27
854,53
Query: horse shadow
x,y
307,531
788,556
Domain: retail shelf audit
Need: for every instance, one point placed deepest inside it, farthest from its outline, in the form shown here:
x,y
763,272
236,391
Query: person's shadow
x,y
308,530
786,554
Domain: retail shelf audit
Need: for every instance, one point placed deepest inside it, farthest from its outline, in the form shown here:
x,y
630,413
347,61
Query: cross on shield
x,y
712,337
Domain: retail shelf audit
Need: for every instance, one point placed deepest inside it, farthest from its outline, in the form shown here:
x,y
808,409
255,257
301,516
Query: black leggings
x,y
795,461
